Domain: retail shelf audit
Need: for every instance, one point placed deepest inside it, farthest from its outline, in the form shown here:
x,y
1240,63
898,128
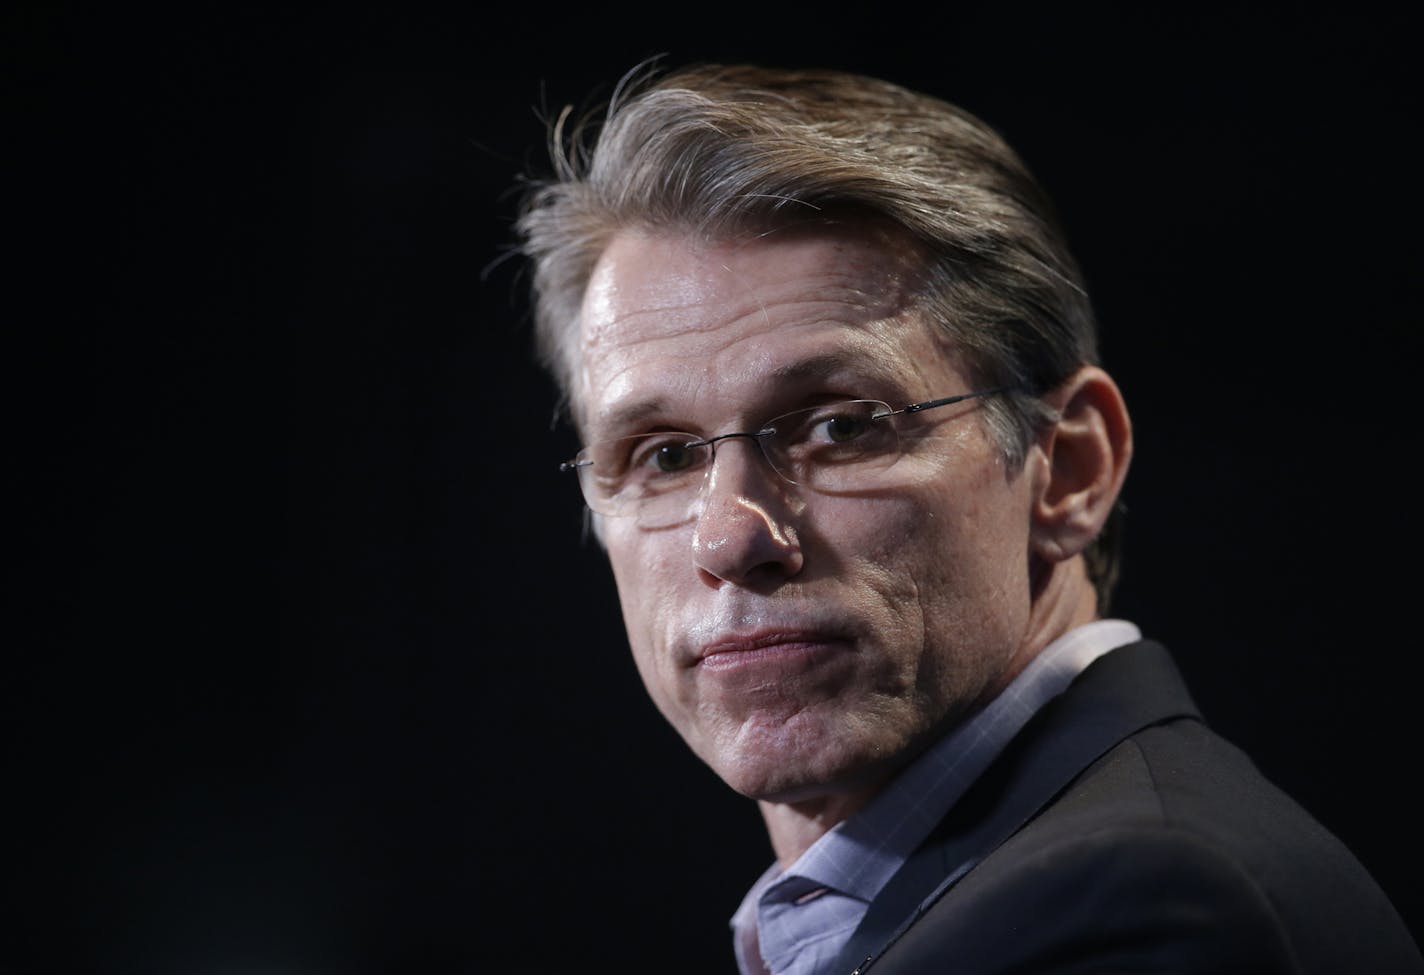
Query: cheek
x,y
949,561
645,571
883,559
977,592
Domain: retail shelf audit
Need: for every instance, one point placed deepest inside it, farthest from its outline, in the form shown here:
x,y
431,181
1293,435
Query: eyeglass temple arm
x,y
948,400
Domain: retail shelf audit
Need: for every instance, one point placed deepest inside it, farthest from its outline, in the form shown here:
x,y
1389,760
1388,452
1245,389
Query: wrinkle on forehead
x,y
705,300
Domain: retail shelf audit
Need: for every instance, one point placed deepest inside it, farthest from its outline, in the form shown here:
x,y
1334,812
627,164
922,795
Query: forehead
x,y
668,320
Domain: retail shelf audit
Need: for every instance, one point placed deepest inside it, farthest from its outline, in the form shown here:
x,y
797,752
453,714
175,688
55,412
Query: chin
x,y
794,763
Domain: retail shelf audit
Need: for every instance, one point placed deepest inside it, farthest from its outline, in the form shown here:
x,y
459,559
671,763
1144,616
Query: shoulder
x,y
1171,852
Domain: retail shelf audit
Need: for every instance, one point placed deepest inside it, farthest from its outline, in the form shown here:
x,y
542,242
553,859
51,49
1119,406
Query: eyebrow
x,y
818,366
629,414
826,364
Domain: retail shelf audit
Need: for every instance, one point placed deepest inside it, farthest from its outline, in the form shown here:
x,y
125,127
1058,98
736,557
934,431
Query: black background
x,y
312,672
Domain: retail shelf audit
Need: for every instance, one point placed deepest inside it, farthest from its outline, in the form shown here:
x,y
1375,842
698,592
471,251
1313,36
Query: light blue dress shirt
x,y
795,922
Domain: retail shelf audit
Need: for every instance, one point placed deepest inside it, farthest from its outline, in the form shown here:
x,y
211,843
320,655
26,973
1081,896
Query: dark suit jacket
x,y
1117,833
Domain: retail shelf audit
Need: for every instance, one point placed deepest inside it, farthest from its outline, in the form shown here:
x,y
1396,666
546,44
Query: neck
x,y
793,827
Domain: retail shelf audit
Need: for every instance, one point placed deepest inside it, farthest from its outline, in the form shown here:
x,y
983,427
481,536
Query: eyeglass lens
x,y
658,477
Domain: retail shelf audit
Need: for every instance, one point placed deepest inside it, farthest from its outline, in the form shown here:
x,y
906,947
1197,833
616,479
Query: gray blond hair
x,y
716,151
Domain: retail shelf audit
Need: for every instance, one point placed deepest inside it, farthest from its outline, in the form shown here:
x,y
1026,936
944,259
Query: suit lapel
x,y
1119,694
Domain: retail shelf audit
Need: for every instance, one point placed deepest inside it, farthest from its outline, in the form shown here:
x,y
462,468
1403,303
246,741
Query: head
x,y
722,226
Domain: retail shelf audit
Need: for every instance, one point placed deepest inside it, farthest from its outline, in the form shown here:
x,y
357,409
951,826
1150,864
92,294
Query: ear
x,y
1085,455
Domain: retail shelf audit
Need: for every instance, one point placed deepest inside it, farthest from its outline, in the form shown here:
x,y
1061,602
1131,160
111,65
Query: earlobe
x,y
1085,456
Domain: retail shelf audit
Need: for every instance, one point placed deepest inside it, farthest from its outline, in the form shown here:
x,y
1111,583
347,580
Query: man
x,y
857,472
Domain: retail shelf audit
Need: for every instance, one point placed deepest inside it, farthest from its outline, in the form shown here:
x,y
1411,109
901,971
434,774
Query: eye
x,y
662,453
836,433
673,457
844,427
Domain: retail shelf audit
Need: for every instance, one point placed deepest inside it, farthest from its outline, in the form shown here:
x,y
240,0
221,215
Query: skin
x,y
807,645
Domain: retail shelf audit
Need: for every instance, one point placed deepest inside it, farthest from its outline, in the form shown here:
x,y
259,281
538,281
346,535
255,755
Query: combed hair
x,y
719,151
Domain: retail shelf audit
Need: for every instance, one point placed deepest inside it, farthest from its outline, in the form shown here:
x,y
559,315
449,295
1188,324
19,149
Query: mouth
x,y
794,649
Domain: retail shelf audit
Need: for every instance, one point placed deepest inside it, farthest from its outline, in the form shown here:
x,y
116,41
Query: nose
x,y
746,530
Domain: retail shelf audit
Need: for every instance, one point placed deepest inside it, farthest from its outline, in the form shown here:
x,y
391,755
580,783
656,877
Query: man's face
x,y
803,644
